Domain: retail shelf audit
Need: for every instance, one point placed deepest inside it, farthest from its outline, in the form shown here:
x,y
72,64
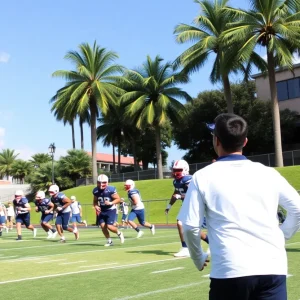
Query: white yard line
x,y
92,251
93,266
87,271
4,257
49,261
178,287
167,270
73,262
292,244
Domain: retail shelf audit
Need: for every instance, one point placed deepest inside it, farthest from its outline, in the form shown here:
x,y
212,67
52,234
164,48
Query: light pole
x,y
51,149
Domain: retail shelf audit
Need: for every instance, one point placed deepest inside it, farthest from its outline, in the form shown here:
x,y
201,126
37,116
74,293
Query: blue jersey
x,y
20,204
43,205
181,185
57,200
105,195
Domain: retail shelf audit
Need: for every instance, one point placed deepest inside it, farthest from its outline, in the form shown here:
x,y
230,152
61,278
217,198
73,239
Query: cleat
x,y
152,230
53,236
49,235
140,234
7,229
121,236
18,239
183,252
62,241
34,232
84,222
108,244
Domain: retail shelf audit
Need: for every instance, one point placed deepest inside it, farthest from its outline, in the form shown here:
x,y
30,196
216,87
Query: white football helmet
x,y
19,193
129,185
180,168
103,181
53,189
40,195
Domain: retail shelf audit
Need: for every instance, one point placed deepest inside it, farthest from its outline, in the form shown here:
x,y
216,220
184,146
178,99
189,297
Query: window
x,y
288,89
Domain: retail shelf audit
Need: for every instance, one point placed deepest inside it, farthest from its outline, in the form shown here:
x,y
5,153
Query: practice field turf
x,y
139,269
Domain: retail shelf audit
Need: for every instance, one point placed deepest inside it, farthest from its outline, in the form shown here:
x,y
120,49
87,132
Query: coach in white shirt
x,y
240,200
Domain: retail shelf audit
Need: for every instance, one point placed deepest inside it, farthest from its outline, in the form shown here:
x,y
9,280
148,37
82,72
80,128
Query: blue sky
x,y
35,36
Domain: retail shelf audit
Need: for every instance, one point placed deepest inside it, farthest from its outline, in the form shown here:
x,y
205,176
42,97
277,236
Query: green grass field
x,y
158,190
139,269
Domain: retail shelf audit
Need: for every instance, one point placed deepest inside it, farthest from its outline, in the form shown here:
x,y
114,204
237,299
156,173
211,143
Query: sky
x,y
36,35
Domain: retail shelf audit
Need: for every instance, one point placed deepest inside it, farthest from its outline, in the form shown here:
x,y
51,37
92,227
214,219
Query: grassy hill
x,y
156,195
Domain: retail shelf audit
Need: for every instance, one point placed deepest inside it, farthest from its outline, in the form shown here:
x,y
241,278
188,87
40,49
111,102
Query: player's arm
x,y
115,199
50,208
173,199
67,202
135,199
95,204
27,208
36,208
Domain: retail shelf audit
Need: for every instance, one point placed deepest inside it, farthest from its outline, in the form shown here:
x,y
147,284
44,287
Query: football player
x,y
76,211
22,209
3,217
137,209
181,182
62,204
46,207
105,200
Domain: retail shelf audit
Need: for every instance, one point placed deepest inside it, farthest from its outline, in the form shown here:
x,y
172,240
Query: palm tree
x,y
20,169
90,87
205,34
40,158
151,98
275,25
7,158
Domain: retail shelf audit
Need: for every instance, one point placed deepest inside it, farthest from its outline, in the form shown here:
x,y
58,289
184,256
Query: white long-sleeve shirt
x,y
240,200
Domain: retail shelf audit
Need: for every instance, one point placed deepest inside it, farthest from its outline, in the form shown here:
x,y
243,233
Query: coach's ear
x,y
245,142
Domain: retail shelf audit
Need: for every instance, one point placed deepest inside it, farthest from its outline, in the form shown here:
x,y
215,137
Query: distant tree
x,y
194,136
76,164
40,158
152,98
90,87
7,158
20,169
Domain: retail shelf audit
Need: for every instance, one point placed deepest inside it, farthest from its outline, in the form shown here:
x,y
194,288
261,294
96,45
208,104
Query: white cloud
x,y
26,153
60,152
2,135
296,58
4,57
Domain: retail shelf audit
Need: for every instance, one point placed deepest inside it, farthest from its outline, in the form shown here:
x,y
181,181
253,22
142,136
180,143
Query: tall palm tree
x,y
205,36
151,98
275,25
91,86
7,158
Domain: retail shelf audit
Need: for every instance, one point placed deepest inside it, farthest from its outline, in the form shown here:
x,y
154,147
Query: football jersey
x,y
75,207
21,203
58,201
43,205
181,185
140,204
105,195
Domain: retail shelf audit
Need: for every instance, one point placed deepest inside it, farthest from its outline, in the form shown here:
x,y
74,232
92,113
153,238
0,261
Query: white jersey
x,y
2,210
10,211
136,193
75,207
240,200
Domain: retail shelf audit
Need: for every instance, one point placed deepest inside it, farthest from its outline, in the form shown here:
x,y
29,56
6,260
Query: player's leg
x,y
184,251
131,217
19,222
111,218
29,226
58,225
141,218
65,225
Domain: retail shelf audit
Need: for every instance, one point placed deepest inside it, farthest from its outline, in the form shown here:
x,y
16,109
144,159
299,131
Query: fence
x,y
290,158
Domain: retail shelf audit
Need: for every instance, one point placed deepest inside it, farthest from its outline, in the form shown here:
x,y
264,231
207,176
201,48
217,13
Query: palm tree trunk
x,y
119,155
275,111
136,166
158,152
114,158
73,134
81,134
227,93
93,110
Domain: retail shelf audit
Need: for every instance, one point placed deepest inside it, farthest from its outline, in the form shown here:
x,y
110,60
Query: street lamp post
x,y
51,149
